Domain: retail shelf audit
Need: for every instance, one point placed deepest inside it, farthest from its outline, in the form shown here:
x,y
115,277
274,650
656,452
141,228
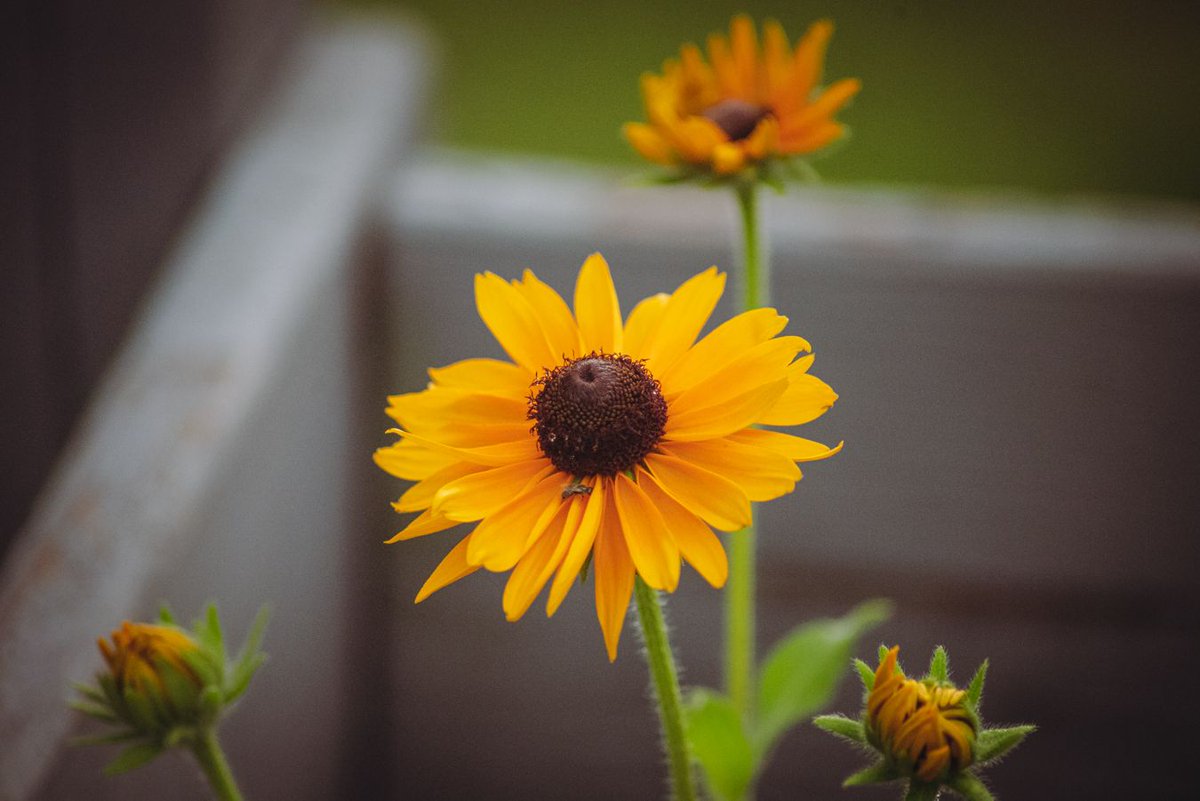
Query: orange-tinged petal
x,y
721,346
581,546
809,59
411,460
502,453
597,308
424,523
420,495
716,499
763,141
795,448
643,323
776,58
762,474
744,51
451,569
540,562
683,318
828,104
807,398
722,419
513,322
814,138
653,550
723,65
553,314
504,536
648,142
614,571
697,542
489,376
440,407
478,494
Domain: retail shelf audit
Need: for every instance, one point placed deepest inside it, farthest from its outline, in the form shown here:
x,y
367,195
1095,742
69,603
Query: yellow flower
x,y
140,651
620,443
926,725
744,105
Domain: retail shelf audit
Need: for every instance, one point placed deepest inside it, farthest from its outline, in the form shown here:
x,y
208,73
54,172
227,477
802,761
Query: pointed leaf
x,y
883,651
165,616
975,690
90,692
132,757
969,787
209,632
995,743
939,665
866,674
920,791
719,743
802,672
123,736
842,726
94,710
876,774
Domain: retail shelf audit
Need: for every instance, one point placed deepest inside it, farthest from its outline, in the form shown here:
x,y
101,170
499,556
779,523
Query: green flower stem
x,y
666,690
212,761
740,591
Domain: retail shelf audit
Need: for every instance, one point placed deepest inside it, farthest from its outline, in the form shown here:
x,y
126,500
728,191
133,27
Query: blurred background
x,y
232,228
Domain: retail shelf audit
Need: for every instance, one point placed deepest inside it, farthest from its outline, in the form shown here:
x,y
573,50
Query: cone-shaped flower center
x,y
736,118
597,415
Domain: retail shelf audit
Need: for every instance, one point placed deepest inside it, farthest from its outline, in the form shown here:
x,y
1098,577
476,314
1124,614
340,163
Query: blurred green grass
x,y
1053,97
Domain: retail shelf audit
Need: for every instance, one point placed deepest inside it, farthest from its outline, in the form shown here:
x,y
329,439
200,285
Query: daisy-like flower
x,y
620,444
745,105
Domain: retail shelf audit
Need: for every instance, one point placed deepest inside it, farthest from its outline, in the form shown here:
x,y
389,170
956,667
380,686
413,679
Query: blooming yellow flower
x,y
744,105
623,443
925,724
140,651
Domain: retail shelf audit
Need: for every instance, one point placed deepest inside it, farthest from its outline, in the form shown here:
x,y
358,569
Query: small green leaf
x,y
801,674
883,651
975,689
969,787
94,710
866,673
90,692
719,743
165,616
939,665
920,791
208,631
133,757
876,774
123,736
991,744
842,726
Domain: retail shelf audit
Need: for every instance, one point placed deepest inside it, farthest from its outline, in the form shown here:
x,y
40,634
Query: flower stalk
x,y
661,662
207,750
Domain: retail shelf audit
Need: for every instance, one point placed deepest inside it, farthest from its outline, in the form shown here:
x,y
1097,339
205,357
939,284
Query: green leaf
x,y
250,658
133,757
94,710
165,616
876,774
866,673
939,665
89,692
920,791
842,726
208,631
883,651
969,787
991,744
719,743
975,689
123,736
801,674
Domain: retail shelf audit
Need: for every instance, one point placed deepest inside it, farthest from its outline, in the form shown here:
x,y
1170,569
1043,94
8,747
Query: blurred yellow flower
x,y
140,651
925,724
744,105
618,444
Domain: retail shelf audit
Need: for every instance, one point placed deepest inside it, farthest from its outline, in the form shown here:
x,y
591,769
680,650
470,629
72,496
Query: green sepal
x,y
866,673
133,757
992,744
975,688
209,705
91,693
208,632
250,658
113,738
93,710
878,773
203,665
970,787
719,743
883,651
842,726
144,710
165,616
802,671
181,693
939,665
922,791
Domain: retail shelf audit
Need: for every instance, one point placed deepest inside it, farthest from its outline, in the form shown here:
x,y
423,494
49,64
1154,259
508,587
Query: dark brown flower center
x,y
736,118
597,415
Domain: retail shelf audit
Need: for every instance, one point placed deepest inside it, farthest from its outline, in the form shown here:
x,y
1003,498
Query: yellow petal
x,y
552,313
828,104
807,398
763,475
581,546
728,158
684,317
809,59
716,499
504,536
723,419
723,65
424,523
650,544
643,323
614,571
814,138
763,363
439,406
451,569
488,376
722,345
776,58
697,542
420,495
539,563
411,460
478,494
597,308
763,140
795,448
513,322
744,51
502,453
649,143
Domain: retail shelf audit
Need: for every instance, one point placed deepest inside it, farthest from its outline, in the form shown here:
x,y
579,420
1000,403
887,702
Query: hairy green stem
x,y
666,690
216,768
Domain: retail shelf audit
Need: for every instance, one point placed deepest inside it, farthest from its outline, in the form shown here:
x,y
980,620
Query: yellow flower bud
x,y
924,726
140,651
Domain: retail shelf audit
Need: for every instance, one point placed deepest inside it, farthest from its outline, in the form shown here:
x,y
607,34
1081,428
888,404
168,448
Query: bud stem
x,y
216,768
